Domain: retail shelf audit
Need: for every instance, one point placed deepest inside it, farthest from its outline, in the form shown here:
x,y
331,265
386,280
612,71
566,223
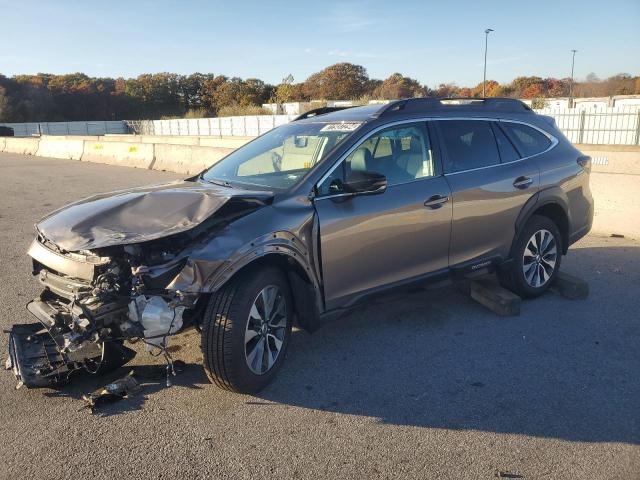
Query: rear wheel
x,y
246,331
535,258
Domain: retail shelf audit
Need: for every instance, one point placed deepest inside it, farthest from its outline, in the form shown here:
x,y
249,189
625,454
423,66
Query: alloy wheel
x,y
266,329
539,258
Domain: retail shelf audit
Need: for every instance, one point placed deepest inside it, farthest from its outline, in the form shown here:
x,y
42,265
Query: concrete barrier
x,y
138,155
203,141
186,159
613,158
74,137
24,146
60,148
225,142
174,140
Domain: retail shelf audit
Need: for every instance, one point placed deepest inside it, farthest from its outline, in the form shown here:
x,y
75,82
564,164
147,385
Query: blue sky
x,y
432,41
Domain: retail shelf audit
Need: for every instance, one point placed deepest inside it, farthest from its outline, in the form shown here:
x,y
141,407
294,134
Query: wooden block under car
x,y
497,299
570,287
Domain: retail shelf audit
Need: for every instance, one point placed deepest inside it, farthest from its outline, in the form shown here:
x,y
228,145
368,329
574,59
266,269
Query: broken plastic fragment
x,y
122,388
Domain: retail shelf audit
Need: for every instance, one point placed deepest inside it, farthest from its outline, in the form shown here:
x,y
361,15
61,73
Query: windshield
x,y
279,158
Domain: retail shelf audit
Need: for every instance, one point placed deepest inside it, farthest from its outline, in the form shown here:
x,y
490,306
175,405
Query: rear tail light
x,y
585,162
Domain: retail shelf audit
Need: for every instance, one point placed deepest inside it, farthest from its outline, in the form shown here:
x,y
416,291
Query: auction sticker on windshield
x,y
340,127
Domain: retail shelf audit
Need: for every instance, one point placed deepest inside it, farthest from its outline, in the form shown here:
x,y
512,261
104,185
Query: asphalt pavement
x,y
427,385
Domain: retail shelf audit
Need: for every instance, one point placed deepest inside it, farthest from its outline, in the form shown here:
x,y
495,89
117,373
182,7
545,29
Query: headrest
x,y
361,159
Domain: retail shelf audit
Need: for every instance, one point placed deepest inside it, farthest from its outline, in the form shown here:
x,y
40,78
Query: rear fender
x,y
549,196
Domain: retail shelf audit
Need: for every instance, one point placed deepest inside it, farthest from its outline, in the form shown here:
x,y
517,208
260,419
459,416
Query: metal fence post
x,y
638,128
581,131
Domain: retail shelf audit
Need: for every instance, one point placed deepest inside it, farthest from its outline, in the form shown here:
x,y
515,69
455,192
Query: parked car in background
x,y
299,226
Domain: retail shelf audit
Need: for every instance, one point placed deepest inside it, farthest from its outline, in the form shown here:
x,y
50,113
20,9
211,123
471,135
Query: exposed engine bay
x,y
92,302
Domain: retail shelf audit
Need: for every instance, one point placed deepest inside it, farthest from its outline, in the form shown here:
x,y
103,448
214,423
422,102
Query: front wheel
x,y
246,330
535,258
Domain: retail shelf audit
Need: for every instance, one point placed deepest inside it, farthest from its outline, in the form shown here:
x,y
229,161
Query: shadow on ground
x,y
562,369
151,378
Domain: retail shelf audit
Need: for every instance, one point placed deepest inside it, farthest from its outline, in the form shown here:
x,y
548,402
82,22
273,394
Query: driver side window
x,y
401,153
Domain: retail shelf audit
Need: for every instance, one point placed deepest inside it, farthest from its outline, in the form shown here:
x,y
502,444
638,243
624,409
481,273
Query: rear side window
x,y
528,140
508,153
468,144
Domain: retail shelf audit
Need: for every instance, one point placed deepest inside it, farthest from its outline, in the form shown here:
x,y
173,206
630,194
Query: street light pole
x,y
484,77
573,61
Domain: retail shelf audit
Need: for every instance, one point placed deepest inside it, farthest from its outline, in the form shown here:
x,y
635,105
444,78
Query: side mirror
x,y
364,182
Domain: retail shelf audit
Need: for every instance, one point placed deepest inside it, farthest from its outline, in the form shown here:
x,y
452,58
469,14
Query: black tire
x,y
224,325
512,275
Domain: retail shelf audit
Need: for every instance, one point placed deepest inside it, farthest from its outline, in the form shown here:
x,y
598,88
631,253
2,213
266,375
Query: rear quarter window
x,y
527,140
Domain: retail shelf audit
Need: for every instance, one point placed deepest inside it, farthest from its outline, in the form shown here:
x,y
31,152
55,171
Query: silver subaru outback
x,y
299,226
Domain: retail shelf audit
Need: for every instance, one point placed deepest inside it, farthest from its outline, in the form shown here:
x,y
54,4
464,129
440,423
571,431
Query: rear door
x,y
490,183
368,242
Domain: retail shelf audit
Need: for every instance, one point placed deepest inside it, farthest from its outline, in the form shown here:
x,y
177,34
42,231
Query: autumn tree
x,y
491,88
342,81
445,90
532,91
556,87
520,84
399,86
77,96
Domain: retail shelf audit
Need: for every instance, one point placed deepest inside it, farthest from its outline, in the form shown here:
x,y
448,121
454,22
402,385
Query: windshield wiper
x,y
222,183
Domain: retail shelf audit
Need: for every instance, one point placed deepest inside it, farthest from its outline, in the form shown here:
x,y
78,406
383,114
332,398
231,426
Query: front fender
x,y
207,274
280,243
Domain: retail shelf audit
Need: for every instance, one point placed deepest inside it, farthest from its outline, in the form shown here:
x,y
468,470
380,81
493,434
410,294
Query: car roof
x,y
432,107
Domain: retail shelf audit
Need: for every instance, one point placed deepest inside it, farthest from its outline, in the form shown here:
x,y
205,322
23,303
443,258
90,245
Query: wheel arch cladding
x,y
305,292
551,203
557,214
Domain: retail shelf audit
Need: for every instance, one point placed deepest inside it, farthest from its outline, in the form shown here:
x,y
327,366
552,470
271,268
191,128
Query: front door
x,y
368,242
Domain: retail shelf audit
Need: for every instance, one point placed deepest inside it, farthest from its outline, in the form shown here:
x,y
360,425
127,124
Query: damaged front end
x,y
92,302
140,265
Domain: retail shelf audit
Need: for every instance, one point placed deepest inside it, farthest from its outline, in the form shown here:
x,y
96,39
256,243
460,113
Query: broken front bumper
x,y
36,359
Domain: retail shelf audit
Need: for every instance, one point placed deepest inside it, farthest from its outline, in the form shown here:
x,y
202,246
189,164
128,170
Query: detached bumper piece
x,y
124,387
36,360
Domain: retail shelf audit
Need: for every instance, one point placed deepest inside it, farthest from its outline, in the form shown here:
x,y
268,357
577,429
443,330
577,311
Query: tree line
x,y
76,96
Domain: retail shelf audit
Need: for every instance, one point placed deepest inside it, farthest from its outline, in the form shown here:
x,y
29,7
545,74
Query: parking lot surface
x,y
428,385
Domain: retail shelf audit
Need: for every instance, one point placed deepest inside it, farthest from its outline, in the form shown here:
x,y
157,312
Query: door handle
x,y
436,201
522,182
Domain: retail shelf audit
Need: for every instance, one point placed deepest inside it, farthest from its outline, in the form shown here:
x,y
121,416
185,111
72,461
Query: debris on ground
x,y
505,474
36,359
122,388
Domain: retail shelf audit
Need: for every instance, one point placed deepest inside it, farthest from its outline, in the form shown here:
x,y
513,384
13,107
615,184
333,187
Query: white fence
x,y
599,126
67,128
247,126
603,126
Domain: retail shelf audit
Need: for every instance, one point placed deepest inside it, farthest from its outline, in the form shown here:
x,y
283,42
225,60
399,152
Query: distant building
x,y
557,102
591,103
625,100
289,108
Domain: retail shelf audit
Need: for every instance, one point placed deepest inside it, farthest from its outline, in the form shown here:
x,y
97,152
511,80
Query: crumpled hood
x,y
138,214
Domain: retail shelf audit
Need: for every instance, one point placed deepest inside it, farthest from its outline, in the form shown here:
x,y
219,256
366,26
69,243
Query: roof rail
x,y
451,103
318,111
